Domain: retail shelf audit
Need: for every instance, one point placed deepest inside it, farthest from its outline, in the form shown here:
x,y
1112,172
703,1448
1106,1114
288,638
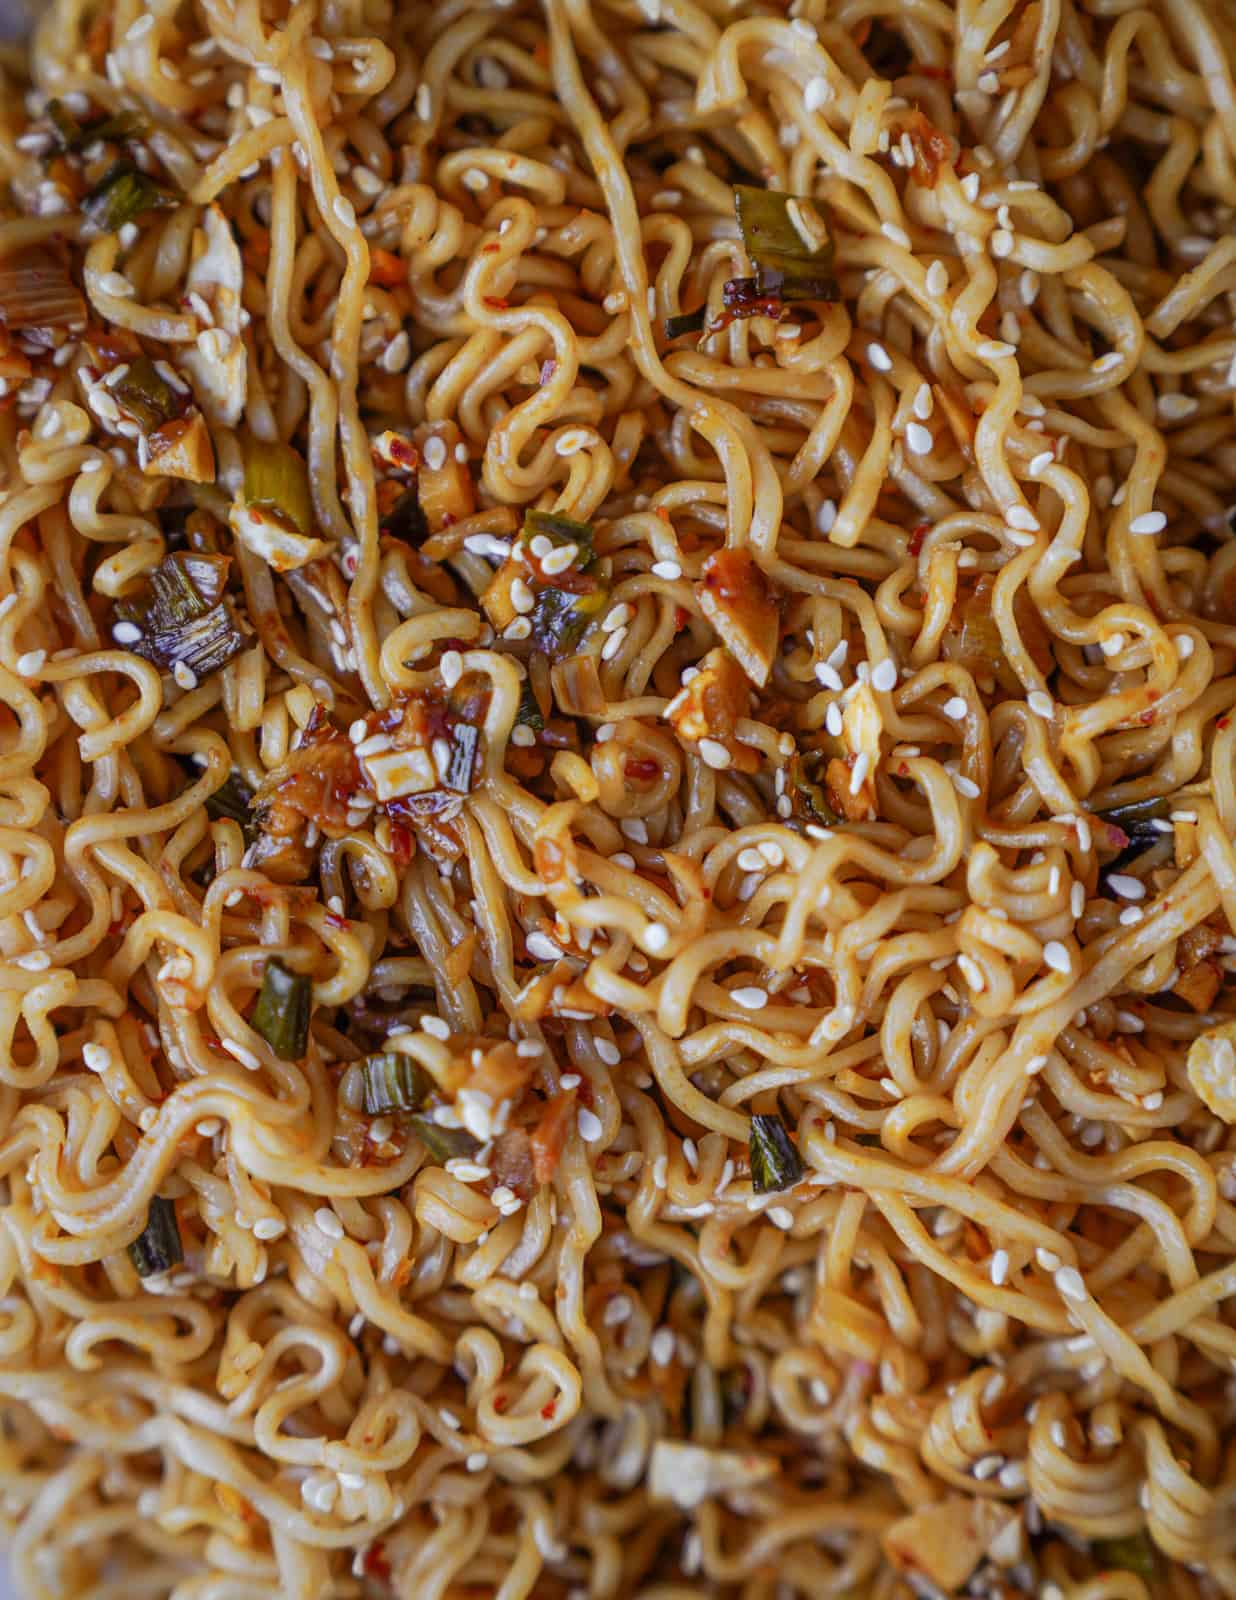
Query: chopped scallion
x,y
145,395
157,1247
281,1014
464,740
75,135
123,193
231,799
788,243
394,1084
443,1144
1134,1553
182,616
560,531
775,1161
277,480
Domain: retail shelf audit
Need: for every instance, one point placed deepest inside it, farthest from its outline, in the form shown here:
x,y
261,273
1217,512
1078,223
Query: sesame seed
x,y
656,937
1176,407
750,998
1041,462
328,1223
884,675
661,1347
1057,956
1077,900
956,708
895,234
1023,518
937,278
879,358
1071,1284
817,93
1041,703
1126,886
436,1027
1184,645
589,1125
862,765
919,439
30,662
614,644
344,212
434,452
1107,363
714,754
1149,522
965,786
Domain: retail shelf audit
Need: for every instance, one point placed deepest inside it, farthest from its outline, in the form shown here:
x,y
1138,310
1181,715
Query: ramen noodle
x,y
617,800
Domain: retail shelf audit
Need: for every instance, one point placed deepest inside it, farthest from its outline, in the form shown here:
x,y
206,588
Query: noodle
x,y
617,797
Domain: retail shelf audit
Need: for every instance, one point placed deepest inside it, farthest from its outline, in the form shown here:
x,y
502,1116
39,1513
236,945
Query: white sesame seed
x,y
750,998
1023,518
434,452
1057,956
884,675
613,645
30,662
1184,645
436,1027
328,1223
542,947
817,93
895,234
1041,703
919,439
1108,362
1149,522
965,786
656,937
1071,1284
879,357
714,754
590,1125
956,708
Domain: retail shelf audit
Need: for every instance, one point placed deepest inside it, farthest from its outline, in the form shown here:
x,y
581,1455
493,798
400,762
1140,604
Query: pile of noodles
x,y
994,1314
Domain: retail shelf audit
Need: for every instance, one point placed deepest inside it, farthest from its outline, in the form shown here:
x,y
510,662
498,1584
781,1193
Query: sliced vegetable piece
x,y
124,193
688,1474
443,1144
276,515
788,243
946,1541
577,686
560,531
37,292
736,597
218,360
232,800
157,1247
182,617
1211,1069
775,1161
559,618
281,1014
529,713
181,448
1134,1553
464,741
75,135
686,322
146,395
394,1084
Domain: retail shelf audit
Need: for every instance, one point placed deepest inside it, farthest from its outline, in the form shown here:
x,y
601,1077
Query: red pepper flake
x,y
643,769
500,1403
548,1409
335,920
403,846
495,302
680,618
1223,722
490,248
940,74
918,533
376,1564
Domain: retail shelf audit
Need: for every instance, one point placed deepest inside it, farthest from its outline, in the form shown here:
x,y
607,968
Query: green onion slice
x,y
232,800
775,1161
123,193
145,395
181,615
75,135
277,480
443,1144
560,531
394,1084
788,243
157,1247
281,1015
1134,1553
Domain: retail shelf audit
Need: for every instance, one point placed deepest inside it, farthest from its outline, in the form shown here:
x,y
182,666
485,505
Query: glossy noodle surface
x,y
617,792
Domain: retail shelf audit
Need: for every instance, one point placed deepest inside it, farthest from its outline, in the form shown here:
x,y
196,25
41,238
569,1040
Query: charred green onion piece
x,y
529,713
559,618
686,322
394,1084
1135,1553
464,740
232,800
281,1015
157,1247
775,1161
560,531
181,616
147,397
75,135
788,243
442,1143
123,193
277,480
406,520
